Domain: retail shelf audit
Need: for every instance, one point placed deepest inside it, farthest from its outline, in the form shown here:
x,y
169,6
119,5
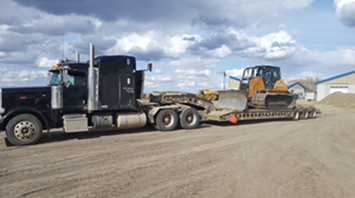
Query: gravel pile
x,y
339,99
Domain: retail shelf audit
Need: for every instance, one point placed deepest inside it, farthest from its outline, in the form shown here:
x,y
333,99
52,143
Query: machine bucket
x,y
232,99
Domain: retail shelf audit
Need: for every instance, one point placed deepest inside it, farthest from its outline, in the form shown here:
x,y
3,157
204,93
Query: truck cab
x,y
73,80
78,95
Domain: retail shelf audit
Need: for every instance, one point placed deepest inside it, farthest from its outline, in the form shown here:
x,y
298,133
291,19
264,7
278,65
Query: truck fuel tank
x,y
130,120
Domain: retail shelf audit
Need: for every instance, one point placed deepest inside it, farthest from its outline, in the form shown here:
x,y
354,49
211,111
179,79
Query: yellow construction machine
x,y
261,87
207,94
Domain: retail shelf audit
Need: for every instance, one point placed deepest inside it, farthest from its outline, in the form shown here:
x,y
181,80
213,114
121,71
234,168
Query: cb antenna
x,y
63,45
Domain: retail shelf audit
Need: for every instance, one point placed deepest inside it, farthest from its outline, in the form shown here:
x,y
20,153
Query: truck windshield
x,y
55,78
75,78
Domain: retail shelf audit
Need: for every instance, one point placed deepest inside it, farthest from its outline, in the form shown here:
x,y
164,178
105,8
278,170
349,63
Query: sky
x,y
189,43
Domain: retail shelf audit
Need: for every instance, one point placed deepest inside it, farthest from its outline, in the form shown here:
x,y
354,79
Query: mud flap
x,y
233,119
232,99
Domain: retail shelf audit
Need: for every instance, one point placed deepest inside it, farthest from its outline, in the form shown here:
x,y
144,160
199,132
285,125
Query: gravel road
x,y
279,158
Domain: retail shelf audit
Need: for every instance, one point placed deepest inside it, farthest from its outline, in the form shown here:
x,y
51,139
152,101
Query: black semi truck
x,y
101,93
105,92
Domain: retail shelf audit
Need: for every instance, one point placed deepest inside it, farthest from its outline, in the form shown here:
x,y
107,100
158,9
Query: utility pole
x,y
224,80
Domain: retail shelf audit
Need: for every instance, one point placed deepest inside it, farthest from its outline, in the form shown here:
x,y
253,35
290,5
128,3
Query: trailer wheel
x,y
313,113
24,129
295,114
166,120
305,114
189,118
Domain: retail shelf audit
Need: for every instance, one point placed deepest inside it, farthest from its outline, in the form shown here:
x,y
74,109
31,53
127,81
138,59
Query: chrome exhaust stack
x,y
77,56
93,83
57,97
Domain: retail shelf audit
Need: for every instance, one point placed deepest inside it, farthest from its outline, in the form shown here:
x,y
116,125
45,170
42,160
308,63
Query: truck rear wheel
x,y
24,129
166,120
295,114
305,114
189,118
313,113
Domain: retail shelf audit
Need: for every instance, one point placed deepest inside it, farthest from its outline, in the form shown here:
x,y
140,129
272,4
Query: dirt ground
x,y
279,158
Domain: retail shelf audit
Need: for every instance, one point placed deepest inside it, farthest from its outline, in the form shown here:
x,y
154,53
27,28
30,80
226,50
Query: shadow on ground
x,y
59,136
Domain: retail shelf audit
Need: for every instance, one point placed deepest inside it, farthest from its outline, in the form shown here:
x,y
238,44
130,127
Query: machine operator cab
x,y
265,79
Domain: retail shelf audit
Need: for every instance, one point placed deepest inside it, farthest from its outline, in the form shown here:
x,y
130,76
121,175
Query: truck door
x,y
75,91
126,90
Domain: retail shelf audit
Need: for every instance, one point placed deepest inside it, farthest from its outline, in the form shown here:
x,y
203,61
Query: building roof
x,y
234,78
297,83
335,77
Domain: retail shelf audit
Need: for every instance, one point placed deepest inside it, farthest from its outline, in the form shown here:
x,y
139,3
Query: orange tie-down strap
x,y
233,119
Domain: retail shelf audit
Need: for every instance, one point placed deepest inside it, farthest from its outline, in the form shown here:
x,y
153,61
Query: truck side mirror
x,y
150,66
64,77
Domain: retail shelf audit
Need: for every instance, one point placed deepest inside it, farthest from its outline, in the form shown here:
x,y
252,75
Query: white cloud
x,y
186,83
191,63
345,11
193,72
299,4
149,84
153,45
272,46
158,71
9,13
159,78
21,76
221,52
204,84
311,74
276,45
238,73
241,14
45,62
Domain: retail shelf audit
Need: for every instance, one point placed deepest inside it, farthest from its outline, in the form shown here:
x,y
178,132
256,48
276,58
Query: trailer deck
x,y
209,111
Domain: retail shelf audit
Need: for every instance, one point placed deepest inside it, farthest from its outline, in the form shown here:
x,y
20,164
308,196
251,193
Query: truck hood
x,y
24,90
36,97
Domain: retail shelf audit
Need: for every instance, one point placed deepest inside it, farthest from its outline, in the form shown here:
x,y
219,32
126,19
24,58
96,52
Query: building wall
x,y
311,95
233,84
352,88
297,90
322,91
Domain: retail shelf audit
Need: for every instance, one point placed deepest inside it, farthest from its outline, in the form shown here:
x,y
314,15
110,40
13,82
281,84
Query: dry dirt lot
x,y
306,158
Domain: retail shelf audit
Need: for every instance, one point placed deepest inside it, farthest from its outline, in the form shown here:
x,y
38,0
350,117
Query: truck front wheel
x,y
24,129
166,120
